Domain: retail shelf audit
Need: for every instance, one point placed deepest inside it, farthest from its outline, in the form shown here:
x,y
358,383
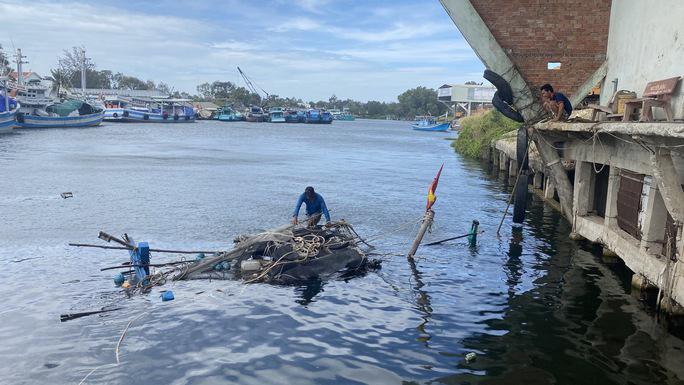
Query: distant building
x,y
465,97
128,93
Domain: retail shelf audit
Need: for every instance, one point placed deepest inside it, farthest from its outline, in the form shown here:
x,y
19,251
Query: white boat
x,y
277,115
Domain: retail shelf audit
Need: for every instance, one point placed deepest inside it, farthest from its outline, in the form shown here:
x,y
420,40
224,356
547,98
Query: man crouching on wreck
x,y
315,207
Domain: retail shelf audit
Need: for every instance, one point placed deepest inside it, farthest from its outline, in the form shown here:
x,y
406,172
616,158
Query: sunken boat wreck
x,y
285,255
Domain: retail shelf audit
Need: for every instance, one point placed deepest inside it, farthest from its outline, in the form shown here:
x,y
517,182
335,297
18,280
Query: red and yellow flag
x,y
431,191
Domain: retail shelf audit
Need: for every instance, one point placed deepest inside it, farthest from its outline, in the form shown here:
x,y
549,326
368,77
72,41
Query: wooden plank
x,y
629,202
661,87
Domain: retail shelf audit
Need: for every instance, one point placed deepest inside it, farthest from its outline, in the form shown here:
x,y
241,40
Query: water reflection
x,y
308,291
422,301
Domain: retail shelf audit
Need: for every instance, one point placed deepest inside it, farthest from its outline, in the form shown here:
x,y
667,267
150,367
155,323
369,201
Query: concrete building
x,y
465,97
619,184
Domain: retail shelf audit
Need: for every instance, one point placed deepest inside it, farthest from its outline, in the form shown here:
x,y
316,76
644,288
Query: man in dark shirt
x,y
556,103
315,207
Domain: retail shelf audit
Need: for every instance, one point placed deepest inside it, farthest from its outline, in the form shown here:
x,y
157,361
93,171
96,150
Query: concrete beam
x,y
588,84
584,189
667,180
557,172
481,40
610,220
653,226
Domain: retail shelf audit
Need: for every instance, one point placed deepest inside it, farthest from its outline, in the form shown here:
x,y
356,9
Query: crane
x,y
250,84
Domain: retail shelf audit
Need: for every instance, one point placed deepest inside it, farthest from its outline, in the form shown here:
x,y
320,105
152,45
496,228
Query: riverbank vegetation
x,y
479,130
412,102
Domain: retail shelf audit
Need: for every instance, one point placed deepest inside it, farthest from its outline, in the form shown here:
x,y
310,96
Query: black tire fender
x,y
125,114
19,117
505,109
146,117
520,199
505,91
116,114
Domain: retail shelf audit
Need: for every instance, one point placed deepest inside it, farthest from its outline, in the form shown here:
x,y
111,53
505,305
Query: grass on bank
x,y
479,130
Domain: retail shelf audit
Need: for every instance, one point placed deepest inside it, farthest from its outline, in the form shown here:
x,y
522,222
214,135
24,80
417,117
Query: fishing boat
x,y
161,110
8,110
255,114
114,108
295,116
228,114
40,110
429,123
316,116
277,115
69,113
341,115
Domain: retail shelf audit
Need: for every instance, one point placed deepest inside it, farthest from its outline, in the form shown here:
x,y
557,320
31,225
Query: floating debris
x,y
470,357
66,195
283,255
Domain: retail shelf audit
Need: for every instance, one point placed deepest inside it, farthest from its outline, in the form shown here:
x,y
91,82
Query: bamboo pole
x,y
427,221
151,250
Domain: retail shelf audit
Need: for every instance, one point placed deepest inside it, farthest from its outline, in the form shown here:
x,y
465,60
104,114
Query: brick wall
x,y
534,32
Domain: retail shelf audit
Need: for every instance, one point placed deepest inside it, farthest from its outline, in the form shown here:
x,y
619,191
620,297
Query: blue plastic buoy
x,y
199,257
119,279
167,295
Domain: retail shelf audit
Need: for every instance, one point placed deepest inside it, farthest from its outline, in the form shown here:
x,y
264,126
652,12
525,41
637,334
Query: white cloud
x,y
309,57
299,24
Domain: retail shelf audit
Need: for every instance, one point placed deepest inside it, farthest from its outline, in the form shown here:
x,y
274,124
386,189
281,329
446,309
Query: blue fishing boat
x,y
8,110
277,115
342,115
428,123
161,111
114,108
70,113
316,116
228,114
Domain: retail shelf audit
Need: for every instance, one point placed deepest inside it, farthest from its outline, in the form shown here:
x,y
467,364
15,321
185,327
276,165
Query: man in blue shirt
x,y
556,103
315,207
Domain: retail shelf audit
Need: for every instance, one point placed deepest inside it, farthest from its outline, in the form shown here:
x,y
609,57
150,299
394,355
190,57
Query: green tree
x,y
420,101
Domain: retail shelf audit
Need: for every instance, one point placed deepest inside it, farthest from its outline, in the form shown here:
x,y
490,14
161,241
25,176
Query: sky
x,y
309,49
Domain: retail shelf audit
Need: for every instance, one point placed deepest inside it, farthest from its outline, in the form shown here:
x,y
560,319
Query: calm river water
x,y
534,306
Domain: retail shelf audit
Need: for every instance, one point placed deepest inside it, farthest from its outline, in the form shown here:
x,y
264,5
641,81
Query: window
x,y
553,65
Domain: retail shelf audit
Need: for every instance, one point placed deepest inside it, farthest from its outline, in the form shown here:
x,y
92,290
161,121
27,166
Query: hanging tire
x,y
505,109
187,117
115,115
125,114
505,91
521,149
19,117
175,117
520,199
146,117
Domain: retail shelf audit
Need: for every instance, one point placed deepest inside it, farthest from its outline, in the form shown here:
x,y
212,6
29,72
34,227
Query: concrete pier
x,y
627,196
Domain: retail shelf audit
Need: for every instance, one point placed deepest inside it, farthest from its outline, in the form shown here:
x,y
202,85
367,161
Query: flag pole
x,y
429,216
427,222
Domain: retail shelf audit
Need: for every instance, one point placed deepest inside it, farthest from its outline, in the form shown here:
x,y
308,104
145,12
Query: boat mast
x,y
4,88
20,70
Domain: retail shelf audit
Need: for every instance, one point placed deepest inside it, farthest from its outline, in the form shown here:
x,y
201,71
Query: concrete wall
x,y
645,43
533,33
